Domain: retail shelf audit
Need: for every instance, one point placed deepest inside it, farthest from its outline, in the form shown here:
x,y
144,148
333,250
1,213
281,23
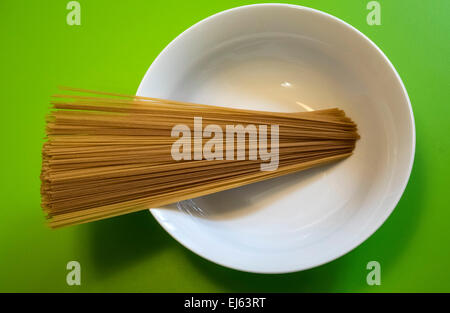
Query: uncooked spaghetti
x,y
110,154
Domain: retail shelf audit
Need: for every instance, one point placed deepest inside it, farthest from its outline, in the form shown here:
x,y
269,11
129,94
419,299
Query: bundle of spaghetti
x,y
110,154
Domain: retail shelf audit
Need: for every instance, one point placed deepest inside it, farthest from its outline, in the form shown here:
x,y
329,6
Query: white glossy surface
x,y
290,58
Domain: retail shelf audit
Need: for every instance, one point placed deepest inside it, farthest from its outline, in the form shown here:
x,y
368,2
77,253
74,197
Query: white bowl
x,y
279,57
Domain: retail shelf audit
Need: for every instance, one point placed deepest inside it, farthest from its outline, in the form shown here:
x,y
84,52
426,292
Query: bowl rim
x,y
388,210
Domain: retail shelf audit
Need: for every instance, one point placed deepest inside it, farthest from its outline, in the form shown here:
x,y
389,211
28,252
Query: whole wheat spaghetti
x,y
110,154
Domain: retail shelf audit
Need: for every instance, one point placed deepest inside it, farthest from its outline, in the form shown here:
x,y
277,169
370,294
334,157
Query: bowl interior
x,y
289,58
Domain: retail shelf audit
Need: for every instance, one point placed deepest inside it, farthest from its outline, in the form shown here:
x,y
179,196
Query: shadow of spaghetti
x,y
116,244
241,201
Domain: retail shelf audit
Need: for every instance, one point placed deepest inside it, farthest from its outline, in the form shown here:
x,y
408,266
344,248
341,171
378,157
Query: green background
x,y
112,50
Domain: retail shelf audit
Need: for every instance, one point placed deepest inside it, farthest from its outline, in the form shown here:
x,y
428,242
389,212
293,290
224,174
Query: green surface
x,y
112,50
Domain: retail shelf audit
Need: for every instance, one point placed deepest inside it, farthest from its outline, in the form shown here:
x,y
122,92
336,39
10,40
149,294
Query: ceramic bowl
x,y
287,58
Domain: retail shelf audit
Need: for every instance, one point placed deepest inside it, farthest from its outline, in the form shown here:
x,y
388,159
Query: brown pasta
x,y
109,154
